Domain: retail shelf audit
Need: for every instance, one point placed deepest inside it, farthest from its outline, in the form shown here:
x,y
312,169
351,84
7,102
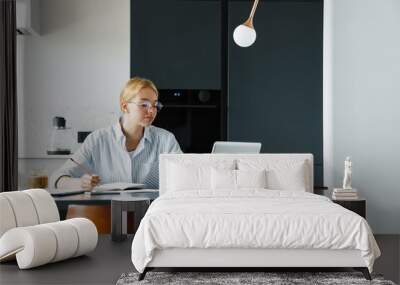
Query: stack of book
x,y
344,194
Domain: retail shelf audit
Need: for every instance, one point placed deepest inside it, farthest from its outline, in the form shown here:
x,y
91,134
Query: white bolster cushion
x,y
7,218
66,238
37,245
23,208
26,208
46,208
87,235
33,246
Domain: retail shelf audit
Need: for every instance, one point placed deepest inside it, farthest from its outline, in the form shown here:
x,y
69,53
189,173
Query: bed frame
x,y
249,259
242,259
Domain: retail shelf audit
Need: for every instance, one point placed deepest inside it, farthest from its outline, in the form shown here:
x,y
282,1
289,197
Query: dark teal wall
x,y
275,86
176,43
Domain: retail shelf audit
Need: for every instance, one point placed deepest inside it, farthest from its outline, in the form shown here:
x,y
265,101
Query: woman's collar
x,y
121,136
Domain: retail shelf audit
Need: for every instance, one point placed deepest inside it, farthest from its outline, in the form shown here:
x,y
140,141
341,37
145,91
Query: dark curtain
x,y
8,98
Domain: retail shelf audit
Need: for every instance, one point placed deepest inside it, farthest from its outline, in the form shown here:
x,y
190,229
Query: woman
x,y
125,152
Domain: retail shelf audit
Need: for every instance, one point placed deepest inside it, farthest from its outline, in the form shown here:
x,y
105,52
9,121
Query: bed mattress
x,y
250,219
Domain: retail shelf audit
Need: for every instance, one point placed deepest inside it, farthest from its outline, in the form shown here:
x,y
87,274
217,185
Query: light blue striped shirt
x,y
104,153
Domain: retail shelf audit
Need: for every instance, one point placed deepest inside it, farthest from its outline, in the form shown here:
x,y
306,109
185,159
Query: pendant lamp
x,y
245,35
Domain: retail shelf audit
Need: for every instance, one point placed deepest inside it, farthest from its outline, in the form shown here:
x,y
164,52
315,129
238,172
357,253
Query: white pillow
x,y
281,174
188,176
223,179
251,178
237,179
182,177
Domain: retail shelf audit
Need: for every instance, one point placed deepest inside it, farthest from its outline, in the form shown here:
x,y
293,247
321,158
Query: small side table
x,y
122,204
358,206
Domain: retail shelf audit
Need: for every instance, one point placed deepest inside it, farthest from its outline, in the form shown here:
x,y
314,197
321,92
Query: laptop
x,y
236,147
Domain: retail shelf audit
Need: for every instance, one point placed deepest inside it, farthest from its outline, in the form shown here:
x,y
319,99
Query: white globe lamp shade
x,y
244,36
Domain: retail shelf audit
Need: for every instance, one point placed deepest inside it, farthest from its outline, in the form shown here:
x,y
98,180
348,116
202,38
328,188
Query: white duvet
x,y
250,219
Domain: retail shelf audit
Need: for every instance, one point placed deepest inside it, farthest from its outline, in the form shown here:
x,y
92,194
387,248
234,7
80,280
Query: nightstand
x,y
358,206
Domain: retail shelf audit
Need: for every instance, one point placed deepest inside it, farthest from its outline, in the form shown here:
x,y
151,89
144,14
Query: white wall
x,y
363,91
75,69
327,92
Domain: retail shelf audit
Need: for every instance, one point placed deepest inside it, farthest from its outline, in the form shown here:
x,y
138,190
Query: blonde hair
x,y
133,87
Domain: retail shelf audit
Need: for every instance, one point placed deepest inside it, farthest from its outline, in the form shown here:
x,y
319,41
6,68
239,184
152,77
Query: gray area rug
x,y
273,278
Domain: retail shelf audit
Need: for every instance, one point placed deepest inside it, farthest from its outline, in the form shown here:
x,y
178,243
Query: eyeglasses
x,y
147,105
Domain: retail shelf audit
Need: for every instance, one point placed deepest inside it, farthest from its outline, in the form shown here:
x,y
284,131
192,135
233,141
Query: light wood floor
x,y
111,259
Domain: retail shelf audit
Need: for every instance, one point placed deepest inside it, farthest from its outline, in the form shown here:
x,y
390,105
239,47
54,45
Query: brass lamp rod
x,y
249,21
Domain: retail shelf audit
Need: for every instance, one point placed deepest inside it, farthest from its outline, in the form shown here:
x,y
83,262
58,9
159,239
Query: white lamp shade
x,y
244,36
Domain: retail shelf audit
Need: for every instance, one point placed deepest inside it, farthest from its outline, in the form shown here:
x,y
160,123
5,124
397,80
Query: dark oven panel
x,y
193,116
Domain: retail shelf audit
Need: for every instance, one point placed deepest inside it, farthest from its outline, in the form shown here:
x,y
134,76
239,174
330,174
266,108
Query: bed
x,y
246,211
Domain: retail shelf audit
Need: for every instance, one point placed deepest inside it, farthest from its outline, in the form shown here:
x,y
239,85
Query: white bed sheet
x,y
250,218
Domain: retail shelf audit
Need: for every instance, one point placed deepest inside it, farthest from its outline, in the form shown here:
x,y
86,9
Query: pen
x,y
82,167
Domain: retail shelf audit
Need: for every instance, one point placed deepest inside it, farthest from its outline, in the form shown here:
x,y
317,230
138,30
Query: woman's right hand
x,y
89,181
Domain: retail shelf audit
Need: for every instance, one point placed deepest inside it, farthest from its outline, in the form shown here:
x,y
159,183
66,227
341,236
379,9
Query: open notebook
x,y
116,187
